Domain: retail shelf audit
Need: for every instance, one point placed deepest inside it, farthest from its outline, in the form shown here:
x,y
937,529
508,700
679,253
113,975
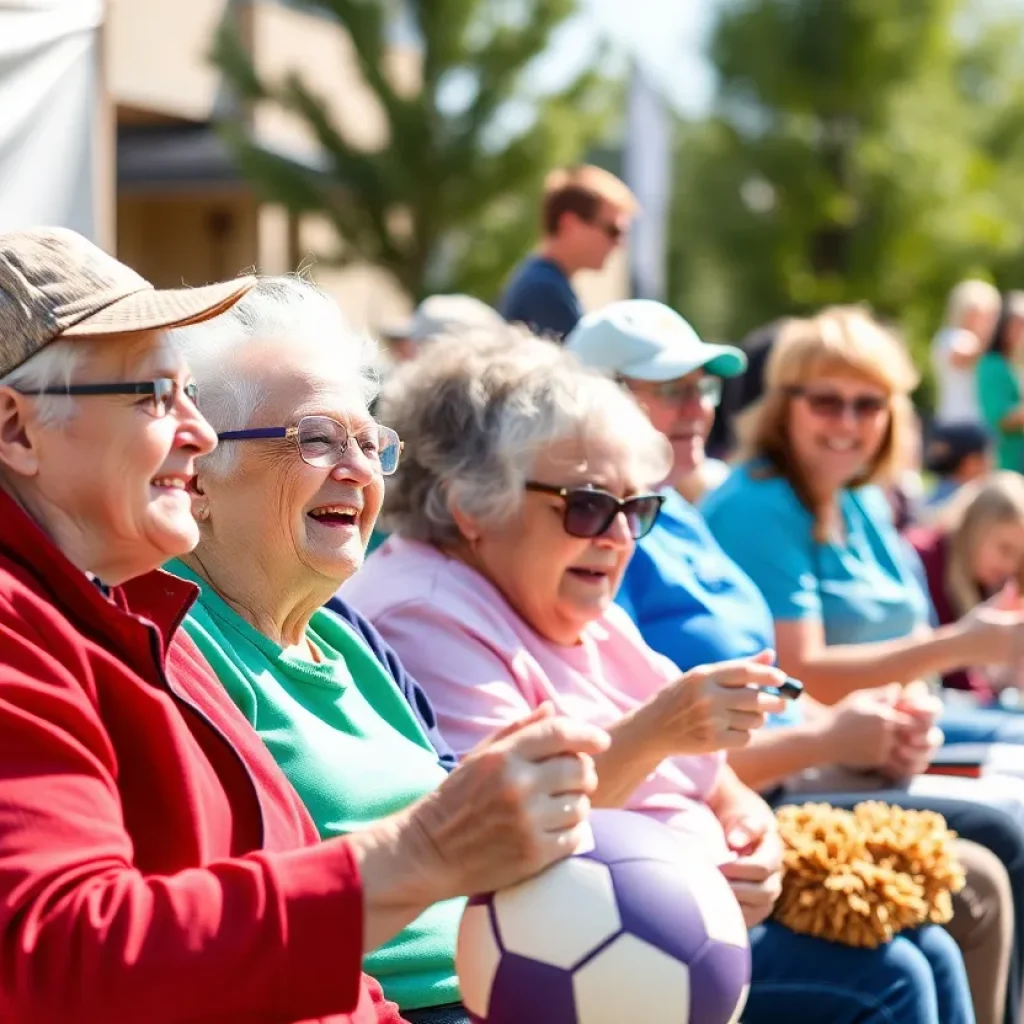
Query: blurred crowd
x,y
301,648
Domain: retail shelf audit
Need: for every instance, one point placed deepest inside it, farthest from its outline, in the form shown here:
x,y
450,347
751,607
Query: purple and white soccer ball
x,y
635,928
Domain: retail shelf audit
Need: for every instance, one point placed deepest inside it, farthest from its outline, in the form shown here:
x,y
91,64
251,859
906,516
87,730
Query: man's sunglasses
x,y
162,392
589,512
615,232
323,442
833,406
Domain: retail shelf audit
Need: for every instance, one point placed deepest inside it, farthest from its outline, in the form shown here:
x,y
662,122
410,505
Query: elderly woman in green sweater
x,y
285,507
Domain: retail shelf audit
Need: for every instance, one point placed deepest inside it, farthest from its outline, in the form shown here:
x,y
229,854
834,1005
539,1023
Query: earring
x,y
202,513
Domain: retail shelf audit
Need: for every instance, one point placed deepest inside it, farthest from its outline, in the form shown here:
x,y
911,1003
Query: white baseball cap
x,y
439,314
646,340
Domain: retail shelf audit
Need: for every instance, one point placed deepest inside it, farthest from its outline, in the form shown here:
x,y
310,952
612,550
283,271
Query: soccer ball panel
x,y
630,980
526,992
476,958
719,982
656,904
559,916
626,835
723,919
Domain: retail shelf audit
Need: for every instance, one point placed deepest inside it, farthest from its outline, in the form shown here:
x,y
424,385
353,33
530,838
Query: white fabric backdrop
x,y
647,170
49,87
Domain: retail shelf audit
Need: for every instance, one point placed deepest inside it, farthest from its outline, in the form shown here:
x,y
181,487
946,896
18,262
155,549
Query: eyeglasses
x,y
162,392
323,442
831,405
589,512
706,391
615,232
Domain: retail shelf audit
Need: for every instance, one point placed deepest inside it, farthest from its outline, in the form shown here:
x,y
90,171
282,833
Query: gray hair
x,y
289,311
474,417
52,366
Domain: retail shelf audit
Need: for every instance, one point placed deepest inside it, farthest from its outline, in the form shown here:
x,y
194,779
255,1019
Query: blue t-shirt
x,y
690,601
863,590
539,295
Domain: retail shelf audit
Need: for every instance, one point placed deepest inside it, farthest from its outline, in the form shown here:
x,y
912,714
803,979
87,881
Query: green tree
x,y
858,151
450,203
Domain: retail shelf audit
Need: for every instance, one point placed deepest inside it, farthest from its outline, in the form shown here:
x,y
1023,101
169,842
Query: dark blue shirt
x,y
540,296
410,688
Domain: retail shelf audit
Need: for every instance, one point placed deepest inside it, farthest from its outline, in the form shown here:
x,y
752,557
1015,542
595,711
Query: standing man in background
x,y
971,315
585,217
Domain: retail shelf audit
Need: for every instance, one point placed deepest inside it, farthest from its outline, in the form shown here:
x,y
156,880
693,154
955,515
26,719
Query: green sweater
x,y
351,746
999,393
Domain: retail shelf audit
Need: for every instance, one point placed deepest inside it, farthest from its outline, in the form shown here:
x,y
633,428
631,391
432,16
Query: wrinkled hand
x,y
515,804
865,728
755,876
716,707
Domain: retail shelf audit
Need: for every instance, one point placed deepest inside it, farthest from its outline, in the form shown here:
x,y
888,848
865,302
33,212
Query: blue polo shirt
x,y
863,590
690,601
540,295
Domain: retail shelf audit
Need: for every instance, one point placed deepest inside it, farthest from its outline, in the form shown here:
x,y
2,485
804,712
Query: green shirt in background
x,y
351,746
999,393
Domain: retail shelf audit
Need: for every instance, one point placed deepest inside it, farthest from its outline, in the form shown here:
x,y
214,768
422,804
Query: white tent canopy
x,y
49,91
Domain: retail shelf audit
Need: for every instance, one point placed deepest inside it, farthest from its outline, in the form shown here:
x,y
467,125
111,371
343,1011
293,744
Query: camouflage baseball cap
x,y
56,284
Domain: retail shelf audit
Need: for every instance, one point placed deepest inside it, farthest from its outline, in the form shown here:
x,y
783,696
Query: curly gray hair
x,y
475,415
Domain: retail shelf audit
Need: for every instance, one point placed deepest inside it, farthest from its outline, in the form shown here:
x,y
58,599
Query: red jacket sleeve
x,y
86,937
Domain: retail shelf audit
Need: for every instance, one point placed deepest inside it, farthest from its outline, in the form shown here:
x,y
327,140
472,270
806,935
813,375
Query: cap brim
x,y
151,309
720,360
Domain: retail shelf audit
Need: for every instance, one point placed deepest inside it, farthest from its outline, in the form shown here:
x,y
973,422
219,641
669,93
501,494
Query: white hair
x,y
288,311
52,366
969,295
476,415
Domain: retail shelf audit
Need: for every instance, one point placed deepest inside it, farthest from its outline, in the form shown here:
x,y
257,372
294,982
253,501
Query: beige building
x,y
183,212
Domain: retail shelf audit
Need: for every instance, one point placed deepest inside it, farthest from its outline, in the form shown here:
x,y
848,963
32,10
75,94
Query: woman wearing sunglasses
x,y
524,487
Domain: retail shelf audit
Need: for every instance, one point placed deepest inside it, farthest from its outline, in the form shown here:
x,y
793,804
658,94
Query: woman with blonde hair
x,y
843,587
972,551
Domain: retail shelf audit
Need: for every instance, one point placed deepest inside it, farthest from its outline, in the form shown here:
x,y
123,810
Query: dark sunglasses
x,y
833,406
589,512
323,442
163,392
615,232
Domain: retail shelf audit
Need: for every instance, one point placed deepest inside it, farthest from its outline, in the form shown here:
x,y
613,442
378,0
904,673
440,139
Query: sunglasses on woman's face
x,y
590,512
831,405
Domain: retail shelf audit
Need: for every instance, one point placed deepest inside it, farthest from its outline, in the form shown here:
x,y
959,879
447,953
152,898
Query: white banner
x,y
49,90
647,170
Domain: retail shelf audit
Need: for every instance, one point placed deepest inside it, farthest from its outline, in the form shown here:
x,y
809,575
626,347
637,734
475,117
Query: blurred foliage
x,y
452,201
869,150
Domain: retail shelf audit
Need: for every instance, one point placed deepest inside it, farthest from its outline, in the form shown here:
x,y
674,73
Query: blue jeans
x,y
982,725
918,978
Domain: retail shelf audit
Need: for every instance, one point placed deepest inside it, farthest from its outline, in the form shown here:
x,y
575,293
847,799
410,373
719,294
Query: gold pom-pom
x,y
861,877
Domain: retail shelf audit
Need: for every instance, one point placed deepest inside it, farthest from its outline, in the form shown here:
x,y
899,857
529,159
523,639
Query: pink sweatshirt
x,y
482,666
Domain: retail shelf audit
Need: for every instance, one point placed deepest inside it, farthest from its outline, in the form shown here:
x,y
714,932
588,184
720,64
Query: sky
x,y
669,36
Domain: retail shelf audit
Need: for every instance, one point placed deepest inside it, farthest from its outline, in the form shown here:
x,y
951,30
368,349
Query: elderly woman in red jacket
x,y
155,865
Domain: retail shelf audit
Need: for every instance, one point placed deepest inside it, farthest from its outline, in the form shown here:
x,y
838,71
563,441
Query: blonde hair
x,y
973,510
968,295
843,341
